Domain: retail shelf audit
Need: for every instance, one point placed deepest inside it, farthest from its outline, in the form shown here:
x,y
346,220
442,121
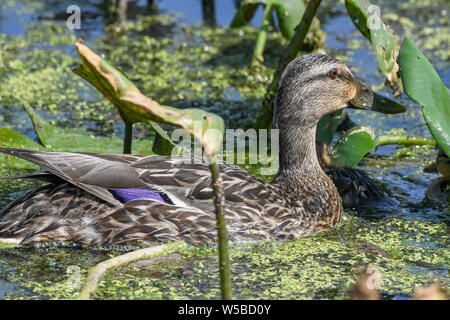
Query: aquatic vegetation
x,y
367,18
356,142
54,138
134,106
288,12
317,267
423,84
208,68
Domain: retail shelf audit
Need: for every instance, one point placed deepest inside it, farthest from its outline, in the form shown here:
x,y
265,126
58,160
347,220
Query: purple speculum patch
x,y
127,195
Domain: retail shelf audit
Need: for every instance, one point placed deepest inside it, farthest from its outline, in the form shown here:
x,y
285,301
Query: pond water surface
x,y
171,57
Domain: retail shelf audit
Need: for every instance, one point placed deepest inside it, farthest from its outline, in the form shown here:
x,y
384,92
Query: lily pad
x,y
353,146
289,13
423,84
246,12
326,128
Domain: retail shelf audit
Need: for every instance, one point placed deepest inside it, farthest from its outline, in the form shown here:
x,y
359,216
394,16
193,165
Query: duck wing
x,y
90,173
185,182
254,209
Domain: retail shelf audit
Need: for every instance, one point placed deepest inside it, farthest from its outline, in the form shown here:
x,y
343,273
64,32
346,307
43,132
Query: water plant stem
x,y
264,119
405,140
258,56
96,273
219,202
209,12
127,140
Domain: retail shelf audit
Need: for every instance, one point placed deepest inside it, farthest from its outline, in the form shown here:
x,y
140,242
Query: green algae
x,y
211,72
320,267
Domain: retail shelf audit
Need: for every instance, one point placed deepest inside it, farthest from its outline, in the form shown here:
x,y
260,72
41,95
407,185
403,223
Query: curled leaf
x,y
367,19
136,107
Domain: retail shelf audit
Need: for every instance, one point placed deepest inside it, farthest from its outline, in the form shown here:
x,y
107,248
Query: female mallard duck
x,y
103,199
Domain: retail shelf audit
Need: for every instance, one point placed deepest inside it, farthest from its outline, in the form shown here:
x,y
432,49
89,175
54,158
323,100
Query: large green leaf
x,y
134,107
366,18
353,146
289,13
423,84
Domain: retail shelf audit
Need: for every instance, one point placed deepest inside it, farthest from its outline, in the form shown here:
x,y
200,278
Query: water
x,y
414,232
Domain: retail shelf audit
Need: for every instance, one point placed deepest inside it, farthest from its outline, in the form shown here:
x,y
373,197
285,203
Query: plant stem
x,y
264,119
96,273
209,12
258,54
405,140
219,202
127,140
152,6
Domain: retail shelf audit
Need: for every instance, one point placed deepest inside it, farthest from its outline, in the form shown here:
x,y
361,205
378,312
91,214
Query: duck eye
x,y
333,73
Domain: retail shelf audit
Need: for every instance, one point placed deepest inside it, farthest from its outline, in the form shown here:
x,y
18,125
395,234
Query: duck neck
x,y
298,153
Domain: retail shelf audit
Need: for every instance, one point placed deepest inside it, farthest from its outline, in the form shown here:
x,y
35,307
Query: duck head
x,y
314,85
310,87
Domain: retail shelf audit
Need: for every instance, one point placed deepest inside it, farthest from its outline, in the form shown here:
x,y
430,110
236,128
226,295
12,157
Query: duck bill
x,y
363,98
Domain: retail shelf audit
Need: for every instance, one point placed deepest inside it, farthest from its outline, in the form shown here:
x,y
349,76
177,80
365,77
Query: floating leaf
x,y
48,135
423,84
353,146
366,18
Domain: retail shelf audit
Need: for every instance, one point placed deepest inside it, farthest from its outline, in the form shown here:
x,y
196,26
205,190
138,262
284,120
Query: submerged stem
x,y
405,140
96,273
